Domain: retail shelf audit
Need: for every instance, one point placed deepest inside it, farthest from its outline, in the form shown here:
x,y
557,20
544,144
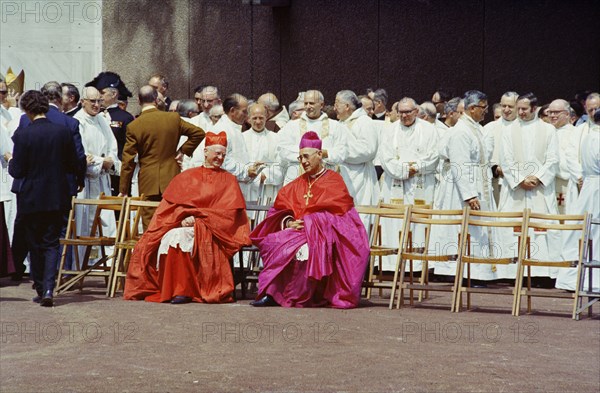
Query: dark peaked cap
x,y
110,79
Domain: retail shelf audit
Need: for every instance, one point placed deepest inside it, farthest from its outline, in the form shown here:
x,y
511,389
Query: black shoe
x,y
474,283
181,300
47,300
478,284
266,301
37,299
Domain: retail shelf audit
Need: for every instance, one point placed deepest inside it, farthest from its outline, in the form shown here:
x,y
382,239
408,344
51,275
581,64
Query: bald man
x,y
314,119
153,137
566,183
262,147
277,115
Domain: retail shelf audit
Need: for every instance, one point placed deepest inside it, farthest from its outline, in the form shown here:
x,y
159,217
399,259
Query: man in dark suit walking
x,y
53,92
154,136
43,156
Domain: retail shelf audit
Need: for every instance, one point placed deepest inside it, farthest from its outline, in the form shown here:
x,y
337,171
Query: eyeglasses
x,y
484,107
215,116
3,91
94,102
306,156
555,113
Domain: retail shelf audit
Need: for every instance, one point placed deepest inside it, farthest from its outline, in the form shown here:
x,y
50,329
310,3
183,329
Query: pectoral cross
x,y
307,196
560,199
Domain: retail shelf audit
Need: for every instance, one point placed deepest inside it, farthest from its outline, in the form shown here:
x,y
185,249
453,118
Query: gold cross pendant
x,y
307,196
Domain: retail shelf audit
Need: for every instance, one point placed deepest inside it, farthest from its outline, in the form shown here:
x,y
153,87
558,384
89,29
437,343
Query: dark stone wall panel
x,y
541,46
329,46
142,37
266,53
409,47
427,44
220,45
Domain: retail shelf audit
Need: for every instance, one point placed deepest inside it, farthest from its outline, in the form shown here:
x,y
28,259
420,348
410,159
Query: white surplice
x,y
530,148
466,174
587,201
98,141
262,146
6,180
569,168
358,170
496,129
404,146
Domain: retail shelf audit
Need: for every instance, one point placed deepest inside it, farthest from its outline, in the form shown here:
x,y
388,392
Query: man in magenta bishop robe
x,y
313,244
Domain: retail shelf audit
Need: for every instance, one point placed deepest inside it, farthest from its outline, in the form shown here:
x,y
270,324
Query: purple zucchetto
x,y
311,139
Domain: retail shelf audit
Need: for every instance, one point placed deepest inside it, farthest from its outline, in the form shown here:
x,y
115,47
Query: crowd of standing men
x,y
542,157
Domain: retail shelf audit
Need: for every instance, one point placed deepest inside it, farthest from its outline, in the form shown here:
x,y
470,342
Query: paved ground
x,y
88,343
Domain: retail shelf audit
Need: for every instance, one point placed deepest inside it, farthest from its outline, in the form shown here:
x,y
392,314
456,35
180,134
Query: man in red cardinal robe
x,y
199,225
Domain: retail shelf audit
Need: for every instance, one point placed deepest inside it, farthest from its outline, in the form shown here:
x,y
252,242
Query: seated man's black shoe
x,y
181,300
47,300
478,284
266,301
474,283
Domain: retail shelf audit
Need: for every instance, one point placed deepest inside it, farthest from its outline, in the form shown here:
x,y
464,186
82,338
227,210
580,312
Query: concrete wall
x,y
409,47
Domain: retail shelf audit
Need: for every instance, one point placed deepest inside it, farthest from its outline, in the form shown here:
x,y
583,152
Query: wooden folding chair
x,y
376,249
67,278
586,271
544,222
129,235
256,213
487,221
429,218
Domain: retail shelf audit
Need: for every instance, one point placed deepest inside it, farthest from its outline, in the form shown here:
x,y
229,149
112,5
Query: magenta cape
x,y
337,242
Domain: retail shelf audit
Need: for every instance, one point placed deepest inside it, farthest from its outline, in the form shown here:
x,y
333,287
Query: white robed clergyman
x,y
98,143
407,147
588,201
358,170
331,132
262,147
530,148
466,179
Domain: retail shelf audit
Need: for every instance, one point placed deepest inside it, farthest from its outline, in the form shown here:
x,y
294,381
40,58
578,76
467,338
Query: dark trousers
x,y
42,232
20,248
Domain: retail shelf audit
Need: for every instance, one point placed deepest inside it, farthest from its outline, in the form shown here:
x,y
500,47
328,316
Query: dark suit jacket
x,y
119,120
73,111
55,116
154,136
43,155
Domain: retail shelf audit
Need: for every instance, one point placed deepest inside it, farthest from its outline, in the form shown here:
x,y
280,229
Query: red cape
x,y
213,196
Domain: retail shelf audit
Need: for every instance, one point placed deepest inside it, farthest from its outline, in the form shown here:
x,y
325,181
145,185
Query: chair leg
x,y
61,267
370,276
243,274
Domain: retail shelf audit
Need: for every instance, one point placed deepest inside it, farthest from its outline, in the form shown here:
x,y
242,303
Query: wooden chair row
x,y
465,221
111,251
